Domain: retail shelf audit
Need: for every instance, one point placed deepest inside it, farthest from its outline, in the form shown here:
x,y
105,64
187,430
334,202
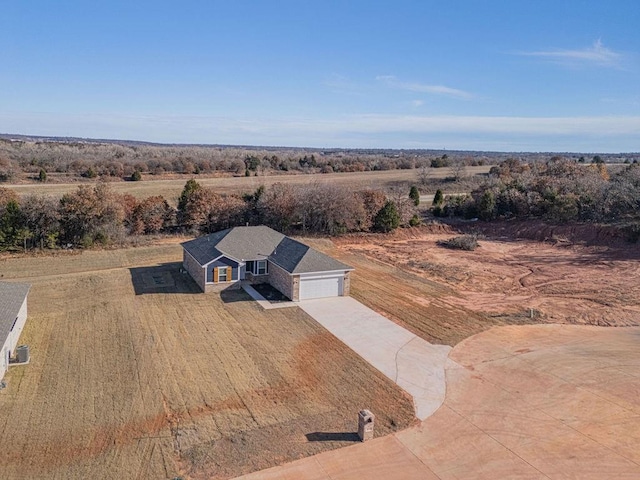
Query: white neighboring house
x,y
13,315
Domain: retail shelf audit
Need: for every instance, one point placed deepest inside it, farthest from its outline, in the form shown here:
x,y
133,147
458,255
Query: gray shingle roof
x,y
296,257
241,243
254,243
204,249
11,297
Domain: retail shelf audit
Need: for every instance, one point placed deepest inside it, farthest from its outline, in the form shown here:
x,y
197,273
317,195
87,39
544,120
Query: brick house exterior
x,y
261,255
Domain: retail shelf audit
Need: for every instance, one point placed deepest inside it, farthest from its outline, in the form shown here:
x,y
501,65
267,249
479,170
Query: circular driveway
x,y
525,402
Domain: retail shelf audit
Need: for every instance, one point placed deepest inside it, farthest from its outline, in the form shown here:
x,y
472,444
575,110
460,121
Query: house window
x,y
261,267
222,274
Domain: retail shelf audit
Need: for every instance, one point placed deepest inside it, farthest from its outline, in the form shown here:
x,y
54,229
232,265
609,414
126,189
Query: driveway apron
x,y
417,366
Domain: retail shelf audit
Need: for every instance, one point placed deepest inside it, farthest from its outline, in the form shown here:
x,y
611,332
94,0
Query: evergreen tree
x,y
189,189
189,193
414,194
487,205
13,231
387,218
438,198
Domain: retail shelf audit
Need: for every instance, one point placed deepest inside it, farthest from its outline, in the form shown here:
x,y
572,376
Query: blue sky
x,y
477,75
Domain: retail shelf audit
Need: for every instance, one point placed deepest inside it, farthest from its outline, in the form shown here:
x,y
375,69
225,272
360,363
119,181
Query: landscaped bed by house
x,y
270,293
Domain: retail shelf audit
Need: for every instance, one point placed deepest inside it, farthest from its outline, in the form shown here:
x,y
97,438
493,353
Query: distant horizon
x,y
74,138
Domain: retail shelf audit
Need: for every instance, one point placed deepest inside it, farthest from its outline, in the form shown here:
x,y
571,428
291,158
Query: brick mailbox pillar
x,y
366,419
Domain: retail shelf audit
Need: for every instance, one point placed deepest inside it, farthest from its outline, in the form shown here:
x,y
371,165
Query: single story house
x,y
13,316
261,255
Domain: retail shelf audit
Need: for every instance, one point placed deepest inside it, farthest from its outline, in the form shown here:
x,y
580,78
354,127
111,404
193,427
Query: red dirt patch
x,y
504,281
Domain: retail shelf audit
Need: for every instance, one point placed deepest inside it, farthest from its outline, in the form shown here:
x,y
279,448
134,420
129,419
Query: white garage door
x,y
321,286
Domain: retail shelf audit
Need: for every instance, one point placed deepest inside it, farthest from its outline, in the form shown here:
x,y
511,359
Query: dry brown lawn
x,y
171,189
135,375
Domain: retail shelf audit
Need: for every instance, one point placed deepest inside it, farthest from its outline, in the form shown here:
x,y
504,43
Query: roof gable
x,y
204,249
240,243
250,243
261,242
296,257
12,296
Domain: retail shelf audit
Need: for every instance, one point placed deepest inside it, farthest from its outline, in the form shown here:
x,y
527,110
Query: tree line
x,y
558,190
40,159
96,215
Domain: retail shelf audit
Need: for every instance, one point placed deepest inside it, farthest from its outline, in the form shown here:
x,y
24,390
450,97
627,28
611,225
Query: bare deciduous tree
x,y
278,206
42,219
405,207
424,175
151,215
458,168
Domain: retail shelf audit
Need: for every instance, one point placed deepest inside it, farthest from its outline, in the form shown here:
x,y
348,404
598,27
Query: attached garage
x,y
321,285
258,254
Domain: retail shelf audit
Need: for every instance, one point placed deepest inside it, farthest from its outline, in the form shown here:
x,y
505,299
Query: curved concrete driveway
x,y
411,362
528,402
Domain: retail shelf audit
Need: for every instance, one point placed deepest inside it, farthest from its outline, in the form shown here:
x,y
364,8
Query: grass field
x,y
171,189
134,375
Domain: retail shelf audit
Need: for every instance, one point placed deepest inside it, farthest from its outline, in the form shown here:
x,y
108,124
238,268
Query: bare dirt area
x,y
447,295
135,375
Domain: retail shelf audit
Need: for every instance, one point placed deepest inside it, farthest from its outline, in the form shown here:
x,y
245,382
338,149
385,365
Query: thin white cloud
x,y
393,82
596,55
342,84
587,134
633,101
601,125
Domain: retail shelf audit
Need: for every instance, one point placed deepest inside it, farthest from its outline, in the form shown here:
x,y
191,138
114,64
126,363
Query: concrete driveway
x,y
525,402
417,366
